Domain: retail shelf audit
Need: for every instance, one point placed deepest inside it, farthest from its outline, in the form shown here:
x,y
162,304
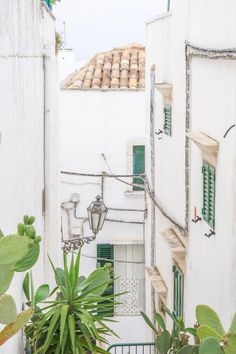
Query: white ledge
x,y
204,142
166,91
157,281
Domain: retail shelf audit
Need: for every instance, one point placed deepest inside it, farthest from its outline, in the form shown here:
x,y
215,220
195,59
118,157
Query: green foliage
x,y
72,323
8,312
18,252
177,340
209,336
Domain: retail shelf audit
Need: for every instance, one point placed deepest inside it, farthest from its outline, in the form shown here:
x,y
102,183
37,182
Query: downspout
x,y
44,158
152,156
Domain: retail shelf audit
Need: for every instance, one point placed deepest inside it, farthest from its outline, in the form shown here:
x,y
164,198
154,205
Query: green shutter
x,y
178,291
106,251
168,120
138,164
208,209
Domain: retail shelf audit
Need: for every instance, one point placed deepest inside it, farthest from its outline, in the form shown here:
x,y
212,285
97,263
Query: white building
x,y
193,91
102,110
28,131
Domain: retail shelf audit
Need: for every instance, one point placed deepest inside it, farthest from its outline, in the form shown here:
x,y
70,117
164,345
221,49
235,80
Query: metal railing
x,y
132,348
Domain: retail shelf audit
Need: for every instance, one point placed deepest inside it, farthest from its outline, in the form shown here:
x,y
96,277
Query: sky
x,y
98,25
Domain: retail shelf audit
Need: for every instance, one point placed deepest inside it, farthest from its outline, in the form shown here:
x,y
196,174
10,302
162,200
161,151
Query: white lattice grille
x,y
132,302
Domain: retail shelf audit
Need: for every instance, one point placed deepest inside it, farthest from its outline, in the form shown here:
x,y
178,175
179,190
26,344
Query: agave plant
x,y
76,321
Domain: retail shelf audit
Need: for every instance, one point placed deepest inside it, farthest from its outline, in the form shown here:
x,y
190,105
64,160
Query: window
x,y
130,275
167,120
169,5
49,3
138,164
178,291
106,251
208,210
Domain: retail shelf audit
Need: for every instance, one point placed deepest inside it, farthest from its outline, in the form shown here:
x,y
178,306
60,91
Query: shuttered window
x,y
138,164
178,291
208,210
106,252
168,120
49,3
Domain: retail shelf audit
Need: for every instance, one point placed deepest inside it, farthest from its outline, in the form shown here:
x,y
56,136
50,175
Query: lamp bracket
x,y
75,244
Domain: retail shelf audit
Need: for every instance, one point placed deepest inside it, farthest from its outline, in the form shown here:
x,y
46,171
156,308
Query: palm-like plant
x,y
74,323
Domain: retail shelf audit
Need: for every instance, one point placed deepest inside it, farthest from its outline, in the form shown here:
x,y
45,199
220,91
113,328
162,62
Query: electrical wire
x,y
112,260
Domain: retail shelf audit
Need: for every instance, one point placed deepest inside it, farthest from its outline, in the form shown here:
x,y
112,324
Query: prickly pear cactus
x,y
18,252
11,329
214,339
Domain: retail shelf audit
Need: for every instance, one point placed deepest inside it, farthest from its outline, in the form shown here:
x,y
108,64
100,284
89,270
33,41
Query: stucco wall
x,y
210,264
95,123
26,33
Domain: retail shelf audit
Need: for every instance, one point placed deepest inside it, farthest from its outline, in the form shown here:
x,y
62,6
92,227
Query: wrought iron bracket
x,y
75,244
198,218
211,233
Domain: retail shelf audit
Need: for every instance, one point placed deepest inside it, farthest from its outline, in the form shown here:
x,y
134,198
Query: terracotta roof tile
x,y
120,68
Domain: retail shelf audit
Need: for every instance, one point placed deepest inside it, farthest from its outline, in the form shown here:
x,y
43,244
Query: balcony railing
x,y
132,348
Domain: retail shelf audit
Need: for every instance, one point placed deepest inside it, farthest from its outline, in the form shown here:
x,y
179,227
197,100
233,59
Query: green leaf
x,y
30,259
163,342
189,349
8,311
232,329
60,279
51,329
149,323
96,283
191,330
210,346
26,286
31,220
26,219
230,347
14,248
204,332
208,317
6,275
11,329
160,321
64,311
1,234
71,321
41,293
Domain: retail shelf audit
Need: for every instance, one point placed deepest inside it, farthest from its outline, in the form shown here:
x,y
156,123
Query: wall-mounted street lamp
x,y
97,212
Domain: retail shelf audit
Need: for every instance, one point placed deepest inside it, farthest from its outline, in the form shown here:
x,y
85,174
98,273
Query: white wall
x,y
210,263
95,123
26,28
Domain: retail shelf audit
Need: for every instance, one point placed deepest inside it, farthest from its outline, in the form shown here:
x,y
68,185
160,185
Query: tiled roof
x,y
120,68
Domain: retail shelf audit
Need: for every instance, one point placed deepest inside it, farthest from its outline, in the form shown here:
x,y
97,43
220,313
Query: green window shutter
x,y
168,120
138,164
208,209
106,251
178,291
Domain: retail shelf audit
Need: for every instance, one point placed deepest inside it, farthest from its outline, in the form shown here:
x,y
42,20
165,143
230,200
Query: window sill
x,y
132,193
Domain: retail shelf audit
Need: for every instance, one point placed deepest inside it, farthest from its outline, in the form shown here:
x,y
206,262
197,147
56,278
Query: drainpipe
x,y
152,156
44,155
